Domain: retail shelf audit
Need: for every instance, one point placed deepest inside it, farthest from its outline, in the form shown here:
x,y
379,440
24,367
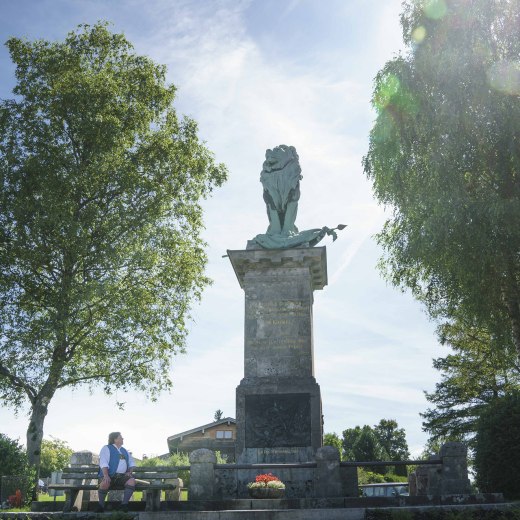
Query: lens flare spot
x,y
418,34
388,88
435,9
504,76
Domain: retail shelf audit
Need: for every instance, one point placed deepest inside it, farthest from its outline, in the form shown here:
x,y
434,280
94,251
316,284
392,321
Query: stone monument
x,y
278,402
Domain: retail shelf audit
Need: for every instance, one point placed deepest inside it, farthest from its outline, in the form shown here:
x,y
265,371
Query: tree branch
x,y
18,383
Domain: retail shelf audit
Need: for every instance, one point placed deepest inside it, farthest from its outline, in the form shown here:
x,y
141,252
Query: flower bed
x,y
266,486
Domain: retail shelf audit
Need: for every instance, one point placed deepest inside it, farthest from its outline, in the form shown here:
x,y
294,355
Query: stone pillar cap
x,y
327,453
203,455
315,258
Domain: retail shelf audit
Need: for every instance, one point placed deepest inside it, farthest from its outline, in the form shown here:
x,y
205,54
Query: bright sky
x,y
255,74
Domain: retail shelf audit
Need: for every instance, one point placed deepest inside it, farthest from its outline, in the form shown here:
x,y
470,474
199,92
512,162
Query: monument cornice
x,y
314,258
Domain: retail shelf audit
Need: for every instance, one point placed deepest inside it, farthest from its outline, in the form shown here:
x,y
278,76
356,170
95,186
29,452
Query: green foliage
x,y
362,445
218,415
13,459
497,447
100,219
14,463
474,375
393,440
369,477
349,438
333,439
445,155
55,455
385,441
175,459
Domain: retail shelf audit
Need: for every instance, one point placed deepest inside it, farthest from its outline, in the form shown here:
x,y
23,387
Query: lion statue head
x,y
280,157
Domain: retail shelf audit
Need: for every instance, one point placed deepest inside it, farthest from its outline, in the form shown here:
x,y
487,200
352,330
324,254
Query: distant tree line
x,y
383,442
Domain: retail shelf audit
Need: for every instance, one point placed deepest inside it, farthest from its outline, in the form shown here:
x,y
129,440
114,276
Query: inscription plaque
x,y
278,420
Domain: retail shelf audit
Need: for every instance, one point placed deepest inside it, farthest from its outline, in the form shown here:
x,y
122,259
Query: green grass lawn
x,y
45,497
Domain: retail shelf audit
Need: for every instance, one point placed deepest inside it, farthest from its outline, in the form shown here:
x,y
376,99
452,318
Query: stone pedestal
x,y
202,478
278,402
455,479
82,459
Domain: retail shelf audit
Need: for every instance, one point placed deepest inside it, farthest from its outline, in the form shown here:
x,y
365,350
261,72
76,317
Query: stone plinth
x,y
202,469
81,459
278,402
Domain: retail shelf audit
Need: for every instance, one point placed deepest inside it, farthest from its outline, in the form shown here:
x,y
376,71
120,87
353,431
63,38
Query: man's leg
x,y
102,494
129,489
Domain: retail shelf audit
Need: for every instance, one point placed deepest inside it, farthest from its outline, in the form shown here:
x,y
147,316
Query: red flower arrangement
x,y
267,480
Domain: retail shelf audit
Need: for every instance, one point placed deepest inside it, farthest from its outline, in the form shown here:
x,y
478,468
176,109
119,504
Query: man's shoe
x,y
124,508
100,509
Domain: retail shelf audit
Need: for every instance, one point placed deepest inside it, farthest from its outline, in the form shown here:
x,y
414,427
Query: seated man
x,y
115,469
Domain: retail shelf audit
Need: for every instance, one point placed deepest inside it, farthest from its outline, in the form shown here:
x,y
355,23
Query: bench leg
x,y
70,498
153,500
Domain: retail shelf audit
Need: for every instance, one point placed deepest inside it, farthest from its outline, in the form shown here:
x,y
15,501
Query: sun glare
x,y
418,34
389,87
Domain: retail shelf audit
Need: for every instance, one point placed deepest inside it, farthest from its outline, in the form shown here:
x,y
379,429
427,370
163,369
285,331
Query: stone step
x,y
259,514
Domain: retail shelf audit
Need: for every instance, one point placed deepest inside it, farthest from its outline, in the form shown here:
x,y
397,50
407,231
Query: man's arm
x,y
104,457
131,464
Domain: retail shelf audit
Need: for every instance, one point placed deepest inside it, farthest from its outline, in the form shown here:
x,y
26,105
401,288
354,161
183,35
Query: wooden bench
x,y
152,479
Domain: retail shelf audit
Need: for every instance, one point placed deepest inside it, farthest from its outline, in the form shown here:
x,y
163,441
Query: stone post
x,y
454,477
174,494
82,459
425,480
412,484
421,481
202,474
327,480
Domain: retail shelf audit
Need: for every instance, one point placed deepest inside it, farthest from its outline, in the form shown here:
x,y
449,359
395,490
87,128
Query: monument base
x,y
278,420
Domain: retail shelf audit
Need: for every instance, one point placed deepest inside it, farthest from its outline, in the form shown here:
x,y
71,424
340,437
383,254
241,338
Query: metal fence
x,y
9,485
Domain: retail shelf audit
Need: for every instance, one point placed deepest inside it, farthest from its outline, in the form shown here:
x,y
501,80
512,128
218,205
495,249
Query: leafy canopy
x,y
444,154
383,442
55,455
100,218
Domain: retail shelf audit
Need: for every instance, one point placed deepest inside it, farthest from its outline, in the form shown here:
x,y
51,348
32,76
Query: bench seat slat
x,y
136,474
94,487
140,469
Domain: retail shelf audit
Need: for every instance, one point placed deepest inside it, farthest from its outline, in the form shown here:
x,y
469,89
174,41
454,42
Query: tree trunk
x,y
35,436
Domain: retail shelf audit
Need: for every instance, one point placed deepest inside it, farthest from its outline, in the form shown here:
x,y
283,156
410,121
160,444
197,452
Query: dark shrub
x,y
497,450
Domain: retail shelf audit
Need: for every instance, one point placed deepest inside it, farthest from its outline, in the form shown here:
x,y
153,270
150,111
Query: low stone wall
x,y
450,477
324,478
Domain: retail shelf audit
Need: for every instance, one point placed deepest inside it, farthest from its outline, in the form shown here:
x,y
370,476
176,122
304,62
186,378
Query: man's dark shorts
x,y
118,480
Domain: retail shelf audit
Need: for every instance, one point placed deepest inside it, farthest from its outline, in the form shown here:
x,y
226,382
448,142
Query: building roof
x,y
225,420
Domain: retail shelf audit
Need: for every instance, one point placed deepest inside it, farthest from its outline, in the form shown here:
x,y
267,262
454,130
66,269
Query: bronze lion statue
x,y
280,178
